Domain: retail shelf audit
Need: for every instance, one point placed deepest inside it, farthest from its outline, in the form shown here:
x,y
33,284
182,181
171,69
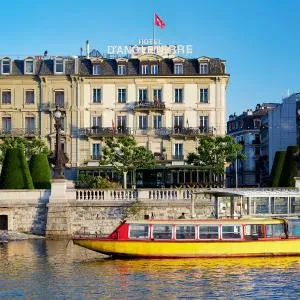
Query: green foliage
x,y
96,182
214,152
31,147
40,171
289,170
124,155
277,168
15,172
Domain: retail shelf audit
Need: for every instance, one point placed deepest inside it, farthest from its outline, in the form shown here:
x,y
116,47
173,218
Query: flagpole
x,y
153,21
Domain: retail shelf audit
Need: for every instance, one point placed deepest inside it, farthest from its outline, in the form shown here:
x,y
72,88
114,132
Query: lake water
x,y
40,269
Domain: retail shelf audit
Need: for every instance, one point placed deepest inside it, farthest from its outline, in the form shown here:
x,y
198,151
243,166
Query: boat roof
x,y
209,221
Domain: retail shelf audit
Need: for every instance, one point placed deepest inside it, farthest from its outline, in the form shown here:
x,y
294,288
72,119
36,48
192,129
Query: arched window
x,y
6,65
29,65
59,67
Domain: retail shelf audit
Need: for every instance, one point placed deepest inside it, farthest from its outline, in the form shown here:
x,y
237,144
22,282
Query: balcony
x,y
96,156
177,157
190,131
147,106
15,132
96,132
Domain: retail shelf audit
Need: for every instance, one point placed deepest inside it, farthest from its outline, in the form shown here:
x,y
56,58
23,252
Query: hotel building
x,y
167,104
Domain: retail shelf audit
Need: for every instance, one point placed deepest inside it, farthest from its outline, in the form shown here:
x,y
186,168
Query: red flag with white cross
x,y
159,22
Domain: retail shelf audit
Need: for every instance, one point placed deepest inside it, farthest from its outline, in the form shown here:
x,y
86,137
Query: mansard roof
x,y
109,67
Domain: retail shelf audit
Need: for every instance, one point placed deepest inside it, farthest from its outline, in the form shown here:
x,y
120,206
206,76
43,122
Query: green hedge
x,y
277,168
15,172
289,170
40,171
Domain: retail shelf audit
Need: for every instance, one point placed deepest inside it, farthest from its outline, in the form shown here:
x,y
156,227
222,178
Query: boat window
x,y
162,232
185,232
139,231
253,231
208,232
231,231
294,227
275,230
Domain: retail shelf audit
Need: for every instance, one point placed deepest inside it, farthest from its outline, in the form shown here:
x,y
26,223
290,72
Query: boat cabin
x,y
208,230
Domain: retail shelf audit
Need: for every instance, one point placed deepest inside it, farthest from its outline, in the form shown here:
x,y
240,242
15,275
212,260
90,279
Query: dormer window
x,y
145,69
154,69
178,69
96,69
6,66
59,65
121,69
28,66
203,68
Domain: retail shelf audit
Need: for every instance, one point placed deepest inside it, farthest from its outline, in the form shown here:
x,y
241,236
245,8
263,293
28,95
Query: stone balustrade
x,y
106,195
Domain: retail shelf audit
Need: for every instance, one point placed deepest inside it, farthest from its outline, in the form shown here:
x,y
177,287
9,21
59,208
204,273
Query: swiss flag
x,y
159,22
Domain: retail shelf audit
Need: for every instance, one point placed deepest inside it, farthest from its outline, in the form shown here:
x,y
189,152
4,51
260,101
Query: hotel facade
x,y
167,104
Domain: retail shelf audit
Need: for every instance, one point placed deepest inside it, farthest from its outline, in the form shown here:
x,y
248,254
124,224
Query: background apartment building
x,y
167,104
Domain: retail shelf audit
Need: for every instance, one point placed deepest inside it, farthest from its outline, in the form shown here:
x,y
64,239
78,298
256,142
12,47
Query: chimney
x,y
87,49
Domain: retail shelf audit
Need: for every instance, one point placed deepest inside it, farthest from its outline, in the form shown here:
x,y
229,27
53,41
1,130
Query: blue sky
x,y
259,39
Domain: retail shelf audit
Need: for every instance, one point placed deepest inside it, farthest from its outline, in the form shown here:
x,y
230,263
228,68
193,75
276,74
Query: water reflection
x,y
52,269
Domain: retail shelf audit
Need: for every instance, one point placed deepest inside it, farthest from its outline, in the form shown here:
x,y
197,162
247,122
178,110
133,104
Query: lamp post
x,y
59,164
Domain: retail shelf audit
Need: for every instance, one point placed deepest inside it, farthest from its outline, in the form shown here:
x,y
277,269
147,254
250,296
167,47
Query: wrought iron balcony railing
x,y
177,157
149,105
104,131
191,131
19,132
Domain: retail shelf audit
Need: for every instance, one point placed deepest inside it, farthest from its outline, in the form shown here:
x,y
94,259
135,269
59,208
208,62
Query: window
x,y
178,122
6,97
178,95
29,67
59,98
185,232
143,122
257,123
209,232
97,122
139,231
154,69
203,68
157,122
96,155
6,124
204,123
162,232
178,151
121,122
145,69
96,69
204,95
29,124
97,95
59,65
122,95
143,97
6,66
29,97
178,69
157,95
253,232
121,69
231,232
275,230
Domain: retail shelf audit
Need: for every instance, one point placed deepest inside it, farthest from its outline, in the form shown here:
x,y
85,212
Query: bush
x,y
15,172
40,171
289,170
96,182
277,168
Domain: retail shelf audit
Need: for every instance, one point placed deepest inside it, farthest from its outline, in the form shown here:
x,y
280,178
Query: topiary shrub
x,y
15,172
289,170
277,168
40,171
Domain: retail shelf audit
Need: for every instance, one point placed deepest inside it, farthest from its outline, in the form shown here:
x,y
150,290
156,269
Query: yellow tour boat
x,y
199,238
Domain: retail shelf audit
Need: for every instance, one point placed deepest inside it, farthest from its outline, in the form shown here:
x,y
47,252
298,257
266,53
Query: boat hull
x,y
170,249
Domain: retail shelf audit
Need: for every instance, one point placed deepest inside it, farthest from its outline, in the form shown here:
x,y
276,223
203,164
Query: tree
x,y
125,155
15,171
214,152
40,171
277,168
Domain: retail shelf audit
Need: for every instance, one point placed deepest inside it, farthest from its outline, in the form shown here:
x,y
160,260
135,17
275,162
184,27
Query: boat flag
x,y
159,22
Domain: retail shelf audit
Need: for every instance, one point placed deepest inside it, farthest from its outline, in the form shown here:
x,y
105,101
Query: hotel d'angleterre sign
x,y
147,46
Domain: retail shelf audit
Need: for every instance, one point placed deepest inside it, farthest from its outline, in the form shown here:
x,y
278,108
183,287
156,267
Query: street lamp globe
x,y
57,114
